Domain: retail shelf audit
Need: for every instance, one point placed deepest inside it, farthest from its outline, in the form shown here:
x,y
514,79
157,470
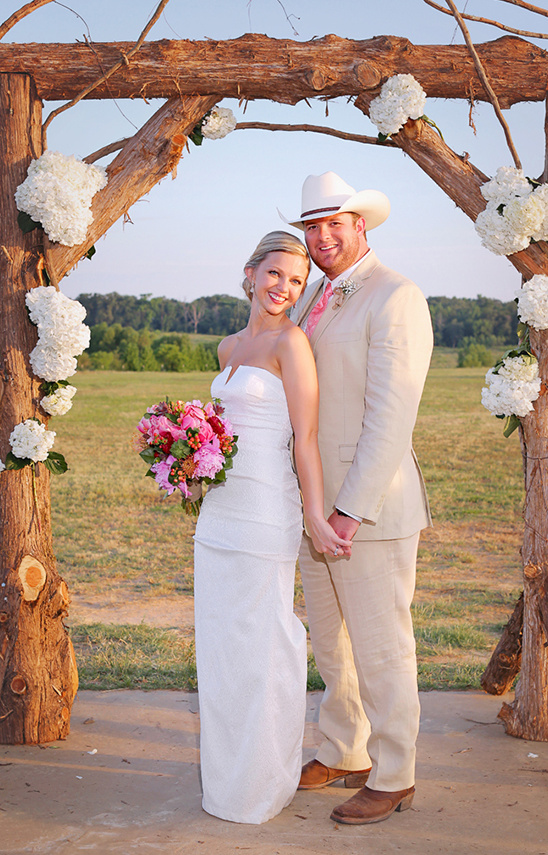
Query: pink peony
x,y
205,433
161,473
144,425
209,460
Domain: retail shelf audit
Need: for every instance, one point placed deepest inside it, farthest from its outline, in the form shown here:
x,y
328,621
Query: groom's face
x,y
335,243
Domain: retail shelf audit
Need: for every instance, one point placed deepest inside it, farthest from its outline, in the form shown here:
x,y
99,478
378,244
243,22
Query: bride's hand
x,y
326,540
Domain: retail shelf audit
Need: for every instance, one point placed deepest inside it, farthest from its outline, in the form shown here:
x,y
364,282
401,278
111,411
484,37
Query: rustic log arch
x,y
35,699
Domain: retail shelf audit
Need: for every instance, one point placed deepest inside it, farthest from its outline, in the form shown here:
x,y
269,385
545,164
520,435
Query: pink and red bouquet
x,y
186,444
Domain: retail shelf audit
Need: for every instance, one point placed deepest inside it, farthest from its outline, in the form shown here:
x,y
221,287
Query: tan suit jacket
x,y
372,355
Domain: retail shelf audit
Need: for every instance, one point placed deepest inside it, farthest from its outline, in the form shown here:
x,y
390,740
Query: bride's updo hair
x,y
274,242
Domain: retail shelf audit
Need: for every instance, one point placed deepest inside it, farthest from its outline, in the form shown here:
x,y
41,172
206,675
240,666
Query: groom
x,y
371,335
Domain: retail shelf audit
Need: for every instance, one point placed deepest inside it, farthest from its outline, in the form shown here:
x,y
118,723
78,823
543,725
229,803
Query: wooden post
x,y
527,717
37,668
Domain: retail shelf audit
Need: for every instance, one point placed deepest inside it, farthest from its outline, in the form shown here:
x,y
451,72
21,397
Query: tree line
x,y
154,333
218,315
118,348
455,319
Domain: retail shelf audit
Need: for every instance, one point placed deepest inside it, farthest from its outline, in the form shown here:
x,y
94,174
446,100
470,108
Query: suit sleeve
x,y
400,348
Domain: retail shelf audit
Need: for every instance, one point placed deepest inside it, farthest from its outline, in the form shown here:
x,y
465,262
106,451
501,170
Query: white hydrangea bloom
x,y
57,193
513,389
401,98
30,439
525,214
2,466
49,364
533,302
541,193
60,401
497,234
220,122
508,183
62,335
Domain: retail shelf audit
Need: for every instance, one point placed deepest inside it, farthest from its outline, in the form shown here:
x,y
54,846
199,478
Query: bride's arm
x,y
300,381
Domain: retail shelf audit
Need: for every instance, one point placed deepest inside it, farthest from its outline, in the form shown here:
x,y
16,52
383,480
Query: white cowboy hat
x,y
327,194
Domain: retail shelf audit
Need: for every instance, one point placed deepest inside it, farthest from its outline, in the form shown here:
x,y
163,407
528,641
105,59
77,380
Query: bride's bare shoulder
x,y
226,348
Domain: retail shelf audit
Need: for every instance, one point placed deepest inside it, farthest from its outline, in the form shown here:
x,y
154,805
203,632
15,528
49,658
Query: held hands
x,y
326,539
345,527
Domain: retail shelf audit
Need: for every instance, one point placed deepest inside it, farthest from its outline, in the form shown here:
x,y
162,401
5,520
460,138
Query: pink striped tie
x,y
318,310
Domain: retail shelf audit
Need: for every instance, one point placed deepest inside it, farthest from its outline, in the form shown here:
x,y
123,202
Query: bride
x,y
250,647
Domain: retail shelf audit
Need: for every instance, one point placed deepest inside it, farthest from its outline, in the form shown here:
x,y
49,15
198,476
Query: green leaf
x,y
149,474
13,462
512,423
26,223
56,463
196,136
382,137
48,387
148,456
180,449
90,253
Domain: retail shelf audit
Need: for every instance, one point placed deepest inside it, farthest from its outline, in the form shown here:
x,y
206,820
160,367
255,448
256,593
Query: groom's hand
x,y
346,527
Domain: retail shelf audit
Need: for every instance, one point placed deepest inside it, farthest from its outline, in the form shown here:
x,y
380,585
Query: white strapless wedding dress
x,y
250,647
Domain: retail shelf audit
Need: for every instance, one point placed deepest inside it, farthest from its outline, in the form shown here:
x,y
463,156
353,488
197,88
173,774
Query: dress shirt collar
x,y
346,274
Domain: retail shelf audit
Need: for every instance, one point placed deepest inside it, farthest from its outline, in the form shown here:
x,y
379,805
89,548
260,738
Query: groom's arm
x,y
399,355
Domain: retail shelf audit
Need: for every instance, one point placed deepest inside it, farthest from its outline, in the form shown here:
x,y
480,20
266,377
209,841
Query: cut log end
x,y
367,75
32,575
18,685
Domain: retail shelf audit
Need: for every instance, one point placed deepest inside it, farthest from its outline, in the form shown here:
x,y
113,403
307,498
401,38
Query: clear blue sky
x,y
190,237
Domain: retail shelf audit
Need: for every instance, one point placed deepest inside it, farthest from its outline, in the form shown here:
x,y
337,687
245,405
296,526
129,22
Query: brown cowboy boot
x,y
315,775
372,806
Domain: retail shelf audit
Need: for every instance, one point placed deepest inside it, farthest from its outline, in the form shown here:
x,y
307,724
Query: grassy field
x,y
125,551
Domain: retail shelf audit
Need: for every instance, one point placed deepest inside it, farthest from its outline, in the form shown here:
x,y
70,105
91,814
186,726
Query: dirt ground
x,y
127,780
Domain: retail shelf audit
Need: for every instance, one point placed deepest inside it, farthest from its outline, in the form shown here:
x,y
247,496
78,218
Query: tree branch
x,y
147,157
526,33
528,6
106,149
458,178
317,129
485,81
20,14
124,61
544,177
262,126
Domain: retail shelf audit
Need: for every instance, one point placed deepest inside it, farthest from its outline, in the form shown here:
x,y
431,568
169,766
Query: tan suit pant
x,y
362,637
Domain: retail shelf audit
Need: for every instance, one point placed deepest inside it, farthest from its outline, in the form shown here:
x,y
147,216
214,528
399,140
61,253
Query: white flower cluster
x,y
57,193
401,98
524,212
512,390
61,333
220,122
30,439
533,302
60,401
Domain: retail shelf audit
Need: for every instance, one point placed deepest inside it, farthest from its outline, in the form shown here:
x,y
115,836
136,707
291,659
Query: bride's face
x,y
278,281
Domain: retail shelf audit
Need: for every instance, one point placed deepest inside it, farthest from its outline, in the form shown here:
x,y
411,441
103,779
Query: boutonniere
x,y
341,292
